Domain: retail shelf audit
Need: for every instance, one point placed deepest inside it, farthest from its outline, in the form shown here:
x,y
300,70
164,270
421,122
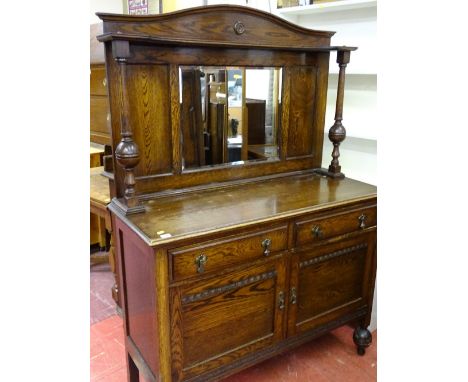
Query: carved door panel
x,y
329,282
221,319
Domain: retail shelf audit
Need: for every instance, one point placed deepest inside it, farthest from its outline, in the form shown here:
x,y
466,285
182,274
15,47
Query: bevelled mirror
x,y
229,115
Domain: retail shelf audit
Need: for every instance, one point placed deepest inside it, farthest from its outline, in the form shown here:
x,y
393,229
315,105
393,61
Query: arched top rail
x,y
217,26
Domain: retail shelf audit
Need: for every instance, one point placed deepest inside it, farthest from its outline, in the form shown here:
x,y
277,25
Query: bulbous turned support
x,y
337,134
127,153
362,338
128,156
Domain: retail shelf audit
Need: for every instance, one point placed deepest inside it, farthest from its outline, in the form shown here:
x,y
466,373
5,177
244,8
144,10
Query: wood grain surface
x,y
169,218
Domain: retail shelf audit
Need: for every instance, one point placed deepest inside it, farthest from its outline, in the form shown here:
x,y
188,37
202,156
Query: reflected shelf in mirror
x,y
229,115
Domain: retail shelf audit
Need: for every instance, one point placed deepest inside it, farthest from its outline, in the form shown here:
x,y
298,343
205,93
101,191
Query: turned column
x,y
127,153
337,132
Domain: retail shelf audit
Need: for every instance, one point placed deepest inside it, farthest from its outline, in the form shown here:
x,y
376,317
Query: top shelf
x,y
343,5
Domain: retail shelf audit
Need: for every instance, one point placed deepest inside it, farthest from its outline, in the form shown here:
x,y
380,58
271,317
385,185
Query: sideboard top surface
x,y
183,216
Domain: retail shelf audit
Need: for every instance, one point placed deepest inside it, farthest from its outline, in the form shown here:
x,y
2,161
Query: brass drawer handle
x,y
362,221
104,82
293,298
317,231
281,300
266,246
200,262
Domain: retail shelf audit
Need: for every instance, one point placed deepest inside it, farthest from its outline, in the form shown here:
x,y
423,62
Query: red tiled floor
x,y
330,358
102,304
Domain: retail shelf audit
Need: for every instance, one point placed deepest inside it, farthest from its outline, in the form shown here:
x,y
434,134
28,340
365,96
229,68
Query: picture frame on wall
x,y
137,7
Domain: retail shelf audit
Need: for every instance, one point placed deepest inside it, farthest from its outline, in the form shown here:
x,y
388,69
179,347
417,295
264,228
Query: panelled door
x,y
218,320
329,281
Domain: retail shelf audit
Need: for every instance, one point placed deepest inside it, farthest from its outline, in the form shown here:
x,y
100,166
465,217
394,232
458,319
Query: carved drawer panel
x,y
218,254
309,230
98,85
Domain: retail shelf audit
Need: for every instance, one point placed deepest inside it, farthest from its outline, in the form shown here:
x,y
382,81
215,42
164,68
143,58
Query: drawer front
x,y
99,115
233,250
98,84
310,230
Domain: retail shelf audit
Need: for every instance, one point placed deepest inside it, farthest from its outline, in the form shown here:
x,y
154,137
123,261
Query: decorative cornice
x,y
214,291
329,256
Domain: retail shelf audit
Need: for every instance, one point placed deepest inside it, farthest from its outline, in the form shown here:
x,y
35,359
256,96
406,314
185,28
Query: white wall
x,y
110,6
359,151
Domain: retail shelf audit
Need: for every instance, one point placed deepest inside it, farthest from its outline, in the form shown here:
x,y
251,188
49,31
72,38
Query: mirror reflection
x,y
229,114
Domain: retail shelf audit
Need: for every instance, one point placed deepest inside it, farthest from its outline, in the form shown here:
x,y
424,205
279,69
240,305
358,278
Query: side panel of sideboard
x,y
136,264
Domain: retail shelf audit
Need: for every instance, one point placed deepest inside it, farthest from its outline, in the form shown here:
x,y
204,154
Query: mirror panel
x,y
229,115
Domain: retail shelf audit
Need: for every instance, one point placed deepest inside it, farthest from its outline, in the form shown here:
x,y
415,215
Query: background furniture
x,y
102,187
99,104
225,266
100,217
97,224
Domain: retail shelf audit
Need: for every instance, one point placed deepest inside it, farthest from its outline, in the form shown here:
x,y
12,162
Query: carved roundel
x,y
239,27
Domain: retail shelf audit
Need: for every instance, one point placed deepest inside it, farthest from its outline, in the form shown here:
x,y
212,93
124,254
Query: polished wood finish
x,y
146,46
173,217
191,119
230,250
228,265
256,110
337,132
243,298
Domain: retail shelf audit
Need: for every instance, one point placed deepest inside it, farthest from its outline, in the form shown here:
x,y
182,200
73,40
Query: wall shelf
x,y
343,5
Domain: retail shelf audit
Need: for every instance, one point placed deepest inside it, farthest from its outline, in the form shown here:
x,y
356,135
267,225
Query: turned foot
x,y
362,338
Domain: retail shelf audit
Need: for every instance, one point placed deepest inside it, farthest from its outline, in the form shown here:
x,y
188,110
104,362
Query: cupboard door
x,y
219,320
329,282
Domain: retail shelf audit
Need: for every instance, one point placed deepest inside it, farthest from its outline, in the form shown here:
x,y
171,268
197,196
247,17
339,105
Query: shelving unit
x,y
355,23
343,5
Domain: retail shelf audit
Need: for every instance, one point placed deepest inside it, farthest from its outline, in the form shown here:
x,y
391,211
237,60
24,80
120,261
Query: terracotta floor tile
x,y
101,282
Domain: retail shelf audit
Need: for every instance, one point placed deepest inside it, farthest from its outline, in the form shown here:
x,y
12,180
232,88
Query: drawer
x,y
98,84
215,255
315,229
99,115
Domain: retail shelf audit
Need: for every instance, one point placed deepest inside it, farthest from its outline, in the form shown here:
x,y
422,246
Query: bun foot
x,y
362,338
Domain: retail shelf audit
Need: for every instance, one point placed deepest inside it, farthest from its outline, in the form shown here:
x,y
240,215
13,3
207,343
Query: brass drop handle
x,y
281,300
266,246
104,82
362,221
317,231
200,262
293,297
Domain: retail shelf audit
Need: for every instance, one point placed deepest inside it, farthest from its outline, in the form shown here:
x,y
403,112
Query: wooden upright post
x,y
127,152
337,133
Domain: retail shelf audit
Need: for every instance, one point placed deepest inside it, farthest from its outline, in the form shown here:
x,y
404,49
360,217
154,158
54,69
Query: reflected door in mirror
x,y
229,115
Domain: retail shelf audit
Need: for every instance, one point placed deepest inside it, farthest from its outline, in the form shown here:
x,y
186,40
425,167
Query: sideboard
x,y
227,257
